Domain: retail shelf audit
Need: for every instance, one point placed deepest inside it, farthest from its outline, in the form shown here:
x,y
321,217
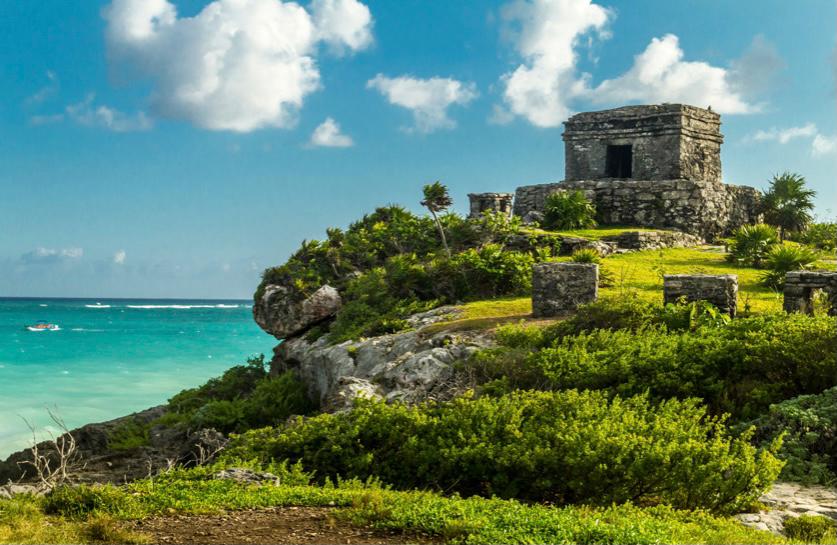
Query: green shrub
x,y
244,397
809,426
568,210
77,502
822,236
220,414
275,399
482,273
784,259
235,382
129,435
740,368
565,447
750,244
380,299
810,529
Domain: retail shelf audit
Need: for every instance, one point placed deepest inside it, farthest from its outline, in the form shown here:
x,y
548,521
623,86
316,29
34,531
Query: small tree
x,y
788,203
437,199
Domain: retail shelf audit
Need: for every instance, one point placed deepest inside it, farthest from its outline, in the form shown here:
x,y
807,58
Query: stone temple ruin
x,y
653,166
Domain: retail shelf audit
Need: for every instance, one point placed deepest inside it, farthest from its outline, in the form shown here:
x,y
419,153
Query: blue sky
x,y
155,148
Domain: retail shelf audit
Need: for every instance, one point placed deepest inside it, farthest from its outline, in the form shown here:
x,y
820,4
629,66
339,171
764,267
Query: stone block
x,y
560,288
720,290
801,285
490,202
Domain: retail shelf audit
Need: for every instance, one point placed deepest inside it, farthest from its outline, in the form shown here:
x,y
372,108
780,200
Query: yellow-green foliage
x,y
22,520
453,519
811,529
554,446
740,367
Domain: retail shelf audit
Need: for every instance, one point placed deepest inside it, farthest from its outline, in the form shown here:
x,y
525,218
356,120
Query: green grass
x,y
488,314
22,520
595,233
452,519
639,274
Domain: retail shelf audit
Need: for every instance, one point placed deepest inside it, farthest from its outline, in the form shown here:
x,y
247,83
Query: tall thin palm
x,y
437,199
788,203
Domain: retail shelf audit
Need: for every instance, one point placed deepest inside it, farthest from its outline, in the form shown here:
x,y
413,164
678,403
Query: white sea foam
x,y
179,307
97,305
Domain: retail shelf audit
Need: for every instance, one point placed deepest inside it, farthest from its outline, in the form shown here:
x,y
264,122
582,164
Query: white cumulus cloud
x,y
328,134
237,65
659,74
546,34
119,257
343,24
427,99
783,136
823,145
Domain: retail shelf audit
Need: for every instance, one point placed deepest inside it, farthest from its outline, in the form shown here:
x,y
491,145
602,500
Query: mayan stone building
x,y
650,166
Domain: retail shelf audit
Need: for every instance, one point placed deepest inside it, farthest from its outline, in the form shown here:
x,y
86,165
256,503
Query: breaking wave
x,y
179,307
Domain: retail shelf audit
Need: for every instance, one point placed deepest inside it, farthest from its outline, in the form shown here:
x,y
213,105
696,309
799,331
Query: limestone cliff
x,y
412,366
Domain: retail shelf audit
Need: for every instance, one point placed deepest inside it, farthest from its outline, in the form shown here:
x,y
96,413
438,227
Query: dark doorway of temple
x,y
619,161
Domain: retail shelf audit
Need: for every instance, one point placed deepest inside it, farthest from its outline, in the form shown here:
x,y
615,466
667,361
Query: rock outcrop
x,y
410,366
96,462
284,312
785,500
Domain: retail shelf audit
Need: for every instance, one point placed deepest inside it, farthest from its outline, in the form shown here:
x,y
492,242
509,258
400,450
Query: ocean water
x,y
112,357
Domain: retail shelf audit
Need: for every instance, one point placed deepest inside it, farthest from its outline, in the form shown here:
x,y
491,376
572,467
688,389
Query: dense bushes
x,y
378,300
741,367
819,235
392,264
565,447
809,425
244,397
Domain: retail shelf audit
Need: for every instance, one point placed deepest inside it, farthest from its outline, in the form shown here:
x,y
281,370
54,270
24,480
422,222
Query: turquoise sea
x,y
112,356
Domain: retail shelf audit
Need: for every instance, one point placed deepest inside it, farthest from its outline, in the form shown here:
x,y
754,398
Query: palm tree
x,y
788,203
437,199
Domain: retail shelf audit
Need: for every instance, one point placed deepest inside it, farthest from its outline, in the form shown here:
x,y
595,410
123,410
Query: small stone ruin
x,y
560,288
721,290
800,287
490,202
655,166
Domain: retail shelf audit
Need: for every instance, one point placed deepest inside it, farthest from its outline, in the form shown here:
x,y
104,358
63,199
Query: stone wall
x,y
653,240
704,209
490,202
800,287
720,290
560,288
669,141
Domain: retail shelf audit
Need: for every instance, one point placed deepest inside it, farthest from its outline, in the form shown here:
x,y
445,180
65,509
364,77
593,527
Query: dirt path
x,y
305,525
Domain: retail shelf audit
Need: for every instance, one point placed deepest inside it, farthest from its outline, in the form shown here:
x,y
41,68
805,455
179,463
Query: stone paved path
x,y
791,500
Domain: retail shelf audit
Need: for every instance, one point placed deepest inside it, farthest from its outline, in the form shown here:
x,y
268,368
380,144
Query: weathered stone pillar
x,y
721,290
800,287
560,288
490,202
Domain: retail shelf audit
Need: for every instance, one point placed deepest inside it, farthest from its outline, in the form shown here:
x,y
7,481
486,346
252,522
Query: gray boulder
x,y
410,366
283,312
